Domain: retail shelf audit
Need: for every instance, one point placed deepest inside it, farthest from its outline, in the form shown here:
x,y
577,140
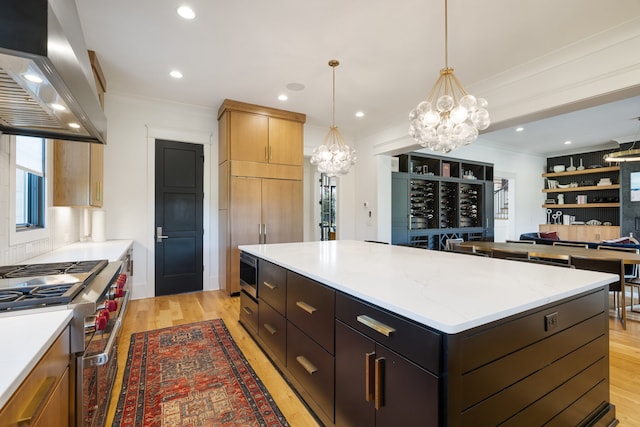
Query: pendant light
x,y
334,157
450,117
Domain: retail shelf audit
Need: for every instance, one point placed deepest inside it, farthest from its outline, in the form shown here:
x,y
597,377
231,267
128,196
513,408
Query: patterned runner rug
x,y
192,375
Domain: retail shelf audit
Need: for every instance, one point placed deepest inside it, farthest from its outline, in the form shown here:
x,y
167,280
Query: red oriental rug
x,y
192,375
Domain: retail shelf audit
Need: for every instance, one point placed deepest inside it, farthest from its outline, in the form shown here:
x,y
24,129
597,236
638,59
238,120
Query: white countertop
x,y
111,250
447,291
25,339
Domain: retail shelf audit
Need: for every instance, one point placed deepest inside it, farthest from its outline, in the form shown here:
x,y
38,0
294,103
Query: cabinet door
x,y
282,210
71,165
285,142
399,209
249,137
352,407
245,220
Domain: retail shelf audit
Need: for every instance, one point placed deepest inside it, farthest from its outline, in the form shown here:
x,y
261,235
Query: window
x,y
30,188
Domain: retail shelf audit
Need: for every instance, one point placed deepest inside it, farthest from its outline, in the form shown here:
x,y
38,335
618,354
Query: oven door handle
x,y
102,358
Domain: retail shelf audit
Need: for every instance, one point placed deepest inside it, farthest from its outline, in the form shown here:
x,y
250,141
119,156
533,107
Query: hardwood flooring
x,y
153,313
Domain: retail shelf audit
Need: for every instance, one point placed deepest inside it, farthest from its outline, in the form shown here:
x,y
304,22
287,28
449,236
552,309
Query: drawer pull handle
x,y
247,310
36,405
306,307
270,329
379,399
269,285
308,366
369,376
376,325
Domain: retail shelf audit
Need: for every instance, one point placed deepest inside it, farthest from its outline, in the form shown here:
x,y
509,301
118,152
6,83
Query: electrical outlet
x,y
551,321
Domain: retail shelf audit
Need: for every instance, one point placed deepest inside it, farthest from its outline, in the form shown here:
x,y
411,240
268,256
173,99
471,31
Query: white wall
x,y
129,176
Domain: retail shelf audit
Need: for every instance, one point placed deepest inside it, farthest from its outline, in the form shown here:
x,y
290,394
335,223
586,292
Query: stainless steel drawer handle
x,y
247,310
308,366
376,325
306,307
270,329
269,285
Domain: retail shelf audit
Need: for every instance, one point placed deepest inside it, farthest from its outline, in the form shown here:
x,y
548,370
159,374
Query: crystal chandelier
x,y
450,117
333,157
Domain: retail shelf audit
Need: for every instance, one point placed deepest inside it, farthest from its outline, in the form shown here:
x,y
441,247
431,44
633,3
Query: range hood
x,y
42,40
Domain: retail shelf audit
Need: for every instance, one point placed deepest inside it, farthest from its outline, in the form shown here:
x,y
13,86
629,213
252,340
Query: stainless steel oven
x,y
249,274
98,292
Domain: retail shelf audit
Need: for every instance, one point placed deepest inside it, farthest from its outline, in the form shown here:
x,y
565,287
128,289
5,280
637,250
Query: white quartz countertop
x,y
447,291
110,250
25,339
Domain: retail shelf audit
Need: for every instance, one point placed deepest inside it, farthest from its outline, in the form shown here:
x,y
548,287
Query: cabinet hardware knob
x,y
376,325
379,393
307,365
369,376
306,307
270,329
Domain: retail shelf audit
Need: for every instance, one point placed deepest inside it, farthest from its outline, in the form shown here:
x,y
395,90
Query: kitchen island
x,y
373,334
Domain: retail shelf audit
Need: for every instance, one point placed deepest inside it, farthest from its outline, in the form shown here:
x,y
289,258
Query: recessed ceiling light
x,y
283,97
58,107
176,74
567,142
74,125
186,12
33,78
295,86
519,129
359,114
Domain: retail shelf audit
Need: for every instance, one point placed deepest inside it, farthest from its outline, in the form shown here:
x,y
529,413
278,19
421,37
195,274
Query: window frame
x,y
20,235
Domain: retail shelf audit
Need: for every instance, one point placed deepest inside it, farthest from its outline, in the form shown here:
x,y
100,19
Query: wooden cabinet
x,y
43,399
583,233
79,167
260,181
438,198
378,384
77,173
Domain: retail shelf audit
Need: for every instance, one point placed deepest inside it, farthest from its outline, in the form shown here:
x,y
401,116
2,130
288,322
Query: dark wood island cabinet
x,y
364,350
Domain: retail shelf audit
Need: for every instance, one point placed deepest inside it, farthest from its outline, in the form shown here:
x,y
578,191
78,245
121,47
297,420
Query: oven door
x,y
249,274
99,365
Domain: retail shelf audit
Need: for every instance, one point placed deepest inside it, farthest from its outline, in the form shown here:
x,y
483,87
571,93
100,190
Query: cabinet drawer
x,y
272,285
312,366
417,343
311,307
248,312
43,383
516,334
273,331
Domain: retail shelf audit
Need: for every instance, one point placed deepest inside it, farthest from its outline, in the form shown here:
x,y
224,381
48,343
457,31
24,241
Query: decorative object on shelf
x,y
558,168
334,157
549,213
550,202
594,222
581,167
581,199
443,122
552,184
604,181
571,168
561,199
630,155
556,217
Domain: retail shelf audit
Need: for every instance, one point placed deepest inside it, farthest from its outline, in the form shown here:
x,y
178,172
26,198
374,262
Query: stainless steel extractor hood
x,y
47,87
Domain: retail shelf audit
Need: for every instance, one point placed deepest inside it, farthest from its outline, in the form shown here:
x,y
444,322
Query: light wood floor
x,y
153,313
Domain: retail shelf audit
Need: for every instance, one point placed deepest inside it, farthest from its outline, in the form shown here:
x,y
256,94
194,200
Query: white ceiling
x,y
390,55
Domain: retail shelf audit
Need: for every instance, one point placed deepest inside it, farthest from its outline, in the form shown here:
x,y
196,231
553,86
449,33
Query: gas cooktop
x,y
34,285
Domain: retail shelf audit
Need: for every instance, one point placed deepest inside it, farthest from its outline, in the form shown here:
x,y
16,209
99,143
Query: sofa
x,y
547,238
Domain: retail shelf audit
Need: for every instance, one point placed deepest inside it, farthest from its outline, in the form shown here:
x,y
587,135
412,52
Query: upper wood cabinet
x,y
260,134
78,166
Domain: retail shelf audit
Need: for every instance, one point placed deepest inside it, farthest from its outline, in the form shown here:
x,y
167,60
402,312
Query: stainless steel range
x,y
98,292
